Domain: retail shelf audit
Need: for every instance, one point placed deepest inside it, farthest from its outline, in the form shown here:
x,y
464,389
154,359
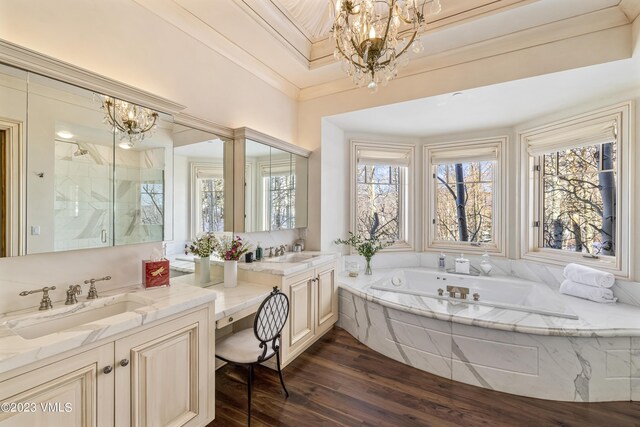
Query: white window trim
x,y
196,211
500,189
530,205
409,226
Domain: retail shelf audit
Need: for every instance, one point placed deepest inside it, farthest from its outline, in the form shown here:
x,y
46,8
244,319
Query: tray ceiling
x,y
286,42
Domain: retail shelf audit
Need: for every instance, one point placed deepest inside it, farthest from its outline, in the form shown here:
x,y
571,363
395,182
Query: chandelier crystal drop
x,y
135,123
373,35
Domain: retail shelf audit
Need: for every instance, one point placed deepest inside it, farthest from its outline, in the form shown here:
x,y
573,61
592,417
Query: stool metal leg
x,y
280,373
249,385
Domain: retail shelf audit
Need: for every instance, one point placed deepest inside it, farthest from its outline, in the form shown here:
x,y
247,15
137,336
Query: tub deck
x,y
593,358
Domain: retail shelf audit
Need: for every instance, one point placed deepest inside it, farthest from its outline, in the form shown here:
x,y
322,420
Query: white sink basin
x,y
48,322
292,258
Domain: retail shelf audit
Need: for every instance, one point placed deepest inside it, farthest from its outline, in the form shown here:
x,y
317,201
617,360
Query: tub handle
x,y
440,291
476,296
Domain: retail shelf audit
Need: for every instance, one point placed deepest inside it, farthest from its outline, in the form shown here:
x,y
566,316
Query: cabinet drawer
x,y
236,316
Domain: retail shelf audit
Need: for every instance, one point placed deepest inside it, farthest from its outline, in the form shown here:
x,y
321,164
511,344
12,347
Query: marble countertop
x,y
595,320
229,300
267,265
232,300
16,351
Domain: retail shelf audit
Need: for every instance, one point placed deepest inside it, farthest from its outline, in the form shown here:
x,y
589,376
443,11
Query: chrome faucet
x,y
45,303
71,294
280,250
270,251
93,292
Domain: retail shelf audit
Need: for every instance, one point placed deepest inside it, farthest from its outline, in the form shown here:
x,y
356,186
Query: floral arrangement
x,y
365,247
231,249
203,246
227,248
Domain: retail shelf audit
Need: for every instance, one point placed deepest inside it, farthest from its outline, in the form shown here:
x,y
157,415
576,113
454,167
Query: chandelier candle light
x,y
133,121
371,35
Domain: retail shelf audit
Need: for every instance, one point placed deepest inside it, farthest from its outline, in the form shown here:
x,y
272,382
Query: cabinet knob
x,y
124,362
230,319
107,369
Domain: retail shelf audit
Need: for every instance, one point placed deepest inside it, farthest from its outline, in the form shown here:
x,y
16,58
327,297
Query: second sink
x,y
292,258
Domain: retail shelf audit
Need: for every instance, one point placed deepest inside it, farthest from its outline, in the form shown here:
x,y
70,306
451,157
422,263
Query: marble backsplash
x,y
627,292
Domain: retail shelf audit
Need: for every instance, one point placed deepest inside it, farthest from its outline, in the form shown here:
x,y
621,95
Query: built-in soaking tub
x,y
505,292
521,337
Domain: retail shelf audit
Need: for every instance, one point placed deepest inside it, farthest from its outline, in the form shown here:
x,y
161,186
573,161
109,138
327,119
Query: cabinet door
x,y
327,308
162,373
301,325
72,392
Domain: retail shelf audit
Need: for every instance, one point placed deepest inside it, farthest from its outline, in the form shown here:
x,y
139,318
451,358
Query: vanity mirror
x,y
79,172
275,182
203,183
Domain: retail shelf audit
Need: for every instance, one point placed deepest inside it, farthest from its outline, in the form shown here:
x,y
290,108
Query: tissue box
x,y
155,273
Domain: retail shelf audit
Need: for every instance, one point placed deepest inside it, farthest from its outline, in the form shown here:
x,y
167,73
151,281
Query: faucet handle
x,y
45,303
93,292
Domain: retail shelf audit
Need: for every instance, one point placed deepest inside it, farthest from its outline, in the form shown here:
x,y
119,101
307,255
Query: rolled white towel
x,y
592,293
588,276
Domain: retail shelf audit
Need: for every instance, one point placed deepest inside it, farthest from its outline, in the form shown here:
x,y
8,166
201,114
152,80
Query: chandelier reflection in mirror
x,y
371,36
132,121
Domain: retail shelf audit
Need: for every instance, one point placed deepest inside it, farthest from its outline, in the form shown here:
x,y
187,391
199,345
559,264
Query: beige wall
x,y
576,52
124,41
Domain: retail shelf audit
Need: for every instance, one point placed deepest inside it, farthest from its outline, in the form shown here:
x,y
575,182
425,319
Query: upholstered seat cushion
x,y
241,347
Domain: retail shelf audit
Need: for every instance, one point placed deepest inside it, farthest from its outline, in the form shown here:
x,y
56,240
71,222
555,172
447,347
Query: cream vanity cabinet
x,y
159,376
313,300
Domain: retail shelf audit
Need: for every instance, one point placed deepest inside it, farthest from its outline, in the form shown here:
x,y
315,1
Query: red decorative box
x,y
155,273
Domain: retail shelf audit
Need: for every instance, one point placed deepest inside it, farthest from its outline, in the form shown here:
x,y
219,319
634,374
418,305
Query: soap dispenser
x,y
442,262
258,252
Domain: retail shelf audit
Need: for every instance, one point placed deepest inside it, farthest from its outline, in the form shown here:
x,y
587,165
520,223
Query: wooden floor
x,y
340,382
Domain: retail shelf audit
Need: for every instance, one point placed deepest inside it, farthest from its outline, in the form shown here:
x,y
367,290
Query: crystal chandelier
x,y
132,121
371,35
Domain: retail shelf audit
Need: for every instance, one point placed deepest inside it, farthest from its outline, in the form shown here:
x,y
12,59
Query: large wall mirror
x,y
80,169
275,191
203,184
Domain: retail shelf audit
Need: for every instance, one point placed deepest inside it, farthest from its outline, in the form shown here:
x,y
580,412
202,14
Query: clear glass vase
x,y
367,269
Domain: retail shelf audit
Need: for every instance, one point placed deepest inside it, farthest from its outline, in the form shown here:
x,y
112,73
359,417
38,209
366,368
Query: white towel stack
x,y
588,283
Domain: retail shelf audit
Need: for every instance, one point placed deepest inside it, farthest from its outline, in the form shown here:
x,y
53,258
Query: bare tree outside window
x,y
151,203
282,201
464,202
579,199
379,201
211,205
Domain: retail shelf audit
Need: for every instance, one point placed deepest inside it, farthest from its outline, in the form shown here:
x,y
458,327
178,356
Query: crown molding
x,y
248,133
203,125
29,60
595,23
277,22
631,8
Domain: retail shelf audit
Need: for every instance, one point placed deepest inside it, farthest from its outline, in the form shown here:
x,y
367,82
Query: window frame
x,y
406,225
532,181
195,206
500,191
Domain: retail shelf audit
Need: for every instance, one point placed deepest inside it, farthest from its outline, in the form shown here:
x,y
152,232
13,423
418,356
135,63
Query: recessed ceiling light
x,y
64,134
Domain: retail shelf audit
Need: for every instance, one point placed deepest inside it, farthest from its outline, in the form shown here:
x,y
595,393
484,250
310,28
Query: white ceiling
x,y
284,42
497,106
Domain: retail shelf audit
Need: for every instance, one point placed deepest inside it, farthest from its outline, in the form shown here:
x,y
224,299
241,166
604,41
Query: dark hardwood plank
x,y
340,382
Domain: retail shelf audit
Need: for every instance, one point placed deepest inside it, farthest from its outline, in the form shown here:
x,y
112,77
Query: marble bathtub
x,y
493,292
595,357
